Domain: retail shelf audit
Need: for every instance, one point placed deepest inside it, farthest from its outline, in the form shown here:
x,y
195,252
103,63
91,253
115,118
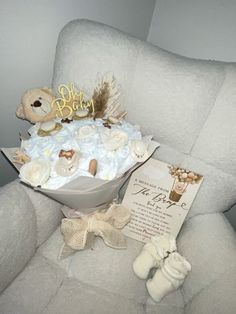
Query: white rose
x,y
114,139
36,172
85,131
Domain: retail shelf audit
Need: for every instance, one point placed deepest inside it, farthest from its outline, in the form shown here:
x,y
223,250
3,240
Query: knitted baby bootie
x,y
169,277
152,254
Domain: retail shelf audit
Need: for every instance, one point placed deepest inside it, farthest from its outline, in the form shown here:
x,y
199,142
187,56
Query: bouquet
x,y
80,150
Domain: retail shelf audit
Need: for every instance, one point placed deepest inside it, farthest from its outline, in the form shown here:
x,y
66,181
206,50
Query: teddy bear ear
x,y
20,112
47,90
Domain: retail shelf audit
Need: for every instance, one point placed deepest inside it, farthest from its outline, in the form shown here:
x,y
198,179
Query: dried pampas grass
x,y
105,95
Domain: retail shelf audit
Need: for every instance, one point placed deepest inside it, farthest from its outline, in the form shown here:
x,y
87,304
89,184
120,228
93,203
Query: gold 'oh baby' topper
x,y
70,101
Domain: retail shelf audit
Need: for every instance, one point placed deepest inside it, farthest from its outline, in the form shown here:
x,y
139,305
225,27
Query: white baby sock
x,y
169,277
152,254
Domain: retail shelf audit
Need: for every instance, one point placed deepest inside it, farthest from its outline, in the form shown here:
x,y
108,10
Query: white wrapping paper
x,y
85,194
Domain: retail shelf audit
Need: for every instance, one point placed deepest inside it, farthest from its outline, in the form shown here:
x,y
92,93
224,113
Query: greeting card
x,y
159,196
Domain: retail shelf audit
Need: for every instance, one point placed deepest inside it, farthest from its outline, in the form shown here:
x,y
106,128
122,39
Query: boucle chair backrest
x,y
188,105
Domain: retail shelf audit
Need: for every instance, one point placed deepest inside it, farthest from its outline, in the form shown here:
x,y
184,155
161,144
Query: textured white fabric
x,y
209,244
33,289
102,267
210,300
75,297
217,192
216,143
17,232
173,94
116,274
48,214
172,303
189,107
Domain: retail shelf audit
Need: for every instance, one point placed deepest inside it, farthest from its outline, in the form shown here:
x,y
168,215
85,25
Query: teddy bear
x,y
37,107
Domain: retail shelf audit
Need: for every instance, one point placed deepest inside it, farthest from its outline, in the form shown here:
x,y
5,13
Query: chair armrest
x,y
209,243
48,213
17,232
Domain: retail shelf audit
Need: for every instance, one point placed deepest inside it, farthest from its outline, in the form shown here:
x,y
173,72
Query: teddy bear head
x,y
36,106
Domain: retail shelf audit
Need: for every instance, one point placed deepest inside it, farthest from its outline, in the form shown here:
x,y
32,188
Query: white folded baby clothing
x,y
152,254
172,268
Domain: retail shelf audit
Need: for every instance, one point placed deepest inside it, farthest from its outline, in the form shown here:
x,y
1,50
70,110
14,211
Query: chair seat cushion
x,y
104,267
92,281
33,288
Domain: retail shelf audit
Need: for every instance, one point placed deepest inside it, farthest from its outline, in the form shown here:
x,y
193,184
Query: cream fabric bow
x,y
79,232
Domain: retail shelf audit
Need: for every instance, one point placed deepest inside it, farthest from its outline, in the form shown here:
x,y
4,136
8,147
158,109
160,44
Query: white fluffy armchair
x,y
189,107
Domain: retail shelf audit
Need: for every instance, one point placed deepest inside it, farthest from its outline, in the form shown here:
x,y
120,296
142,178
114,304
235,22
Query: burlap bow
x,y
79,232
